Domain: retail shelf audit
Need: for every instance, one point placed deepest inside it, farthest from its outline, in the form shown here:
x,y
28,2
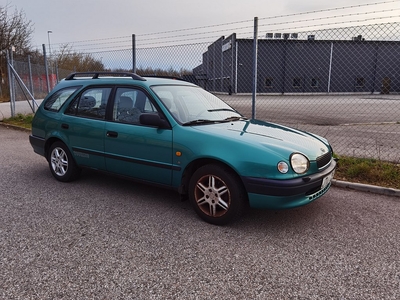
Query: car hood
x,y
277,138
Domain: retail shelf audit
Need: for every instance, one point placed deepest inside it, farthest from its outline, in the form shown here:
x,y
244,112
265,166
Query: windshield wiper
x,y
235,118
221,109
199,121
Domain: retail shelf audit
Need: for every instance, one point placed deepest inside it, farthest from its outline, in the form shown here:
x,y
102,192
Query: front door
x,y
135,150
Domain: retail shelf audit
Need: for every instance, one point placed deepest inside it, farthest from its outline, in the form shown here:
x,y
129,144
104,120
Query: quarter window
x,y
55,102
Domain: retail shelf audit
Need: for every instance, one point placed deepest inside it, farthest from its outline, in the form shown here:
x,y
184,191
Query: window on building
x,y
314,82
297,82
268,82
360,82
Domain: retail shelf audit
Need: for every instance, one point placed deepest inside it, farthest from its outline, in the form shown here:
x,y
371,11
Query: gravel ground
x,y
106,238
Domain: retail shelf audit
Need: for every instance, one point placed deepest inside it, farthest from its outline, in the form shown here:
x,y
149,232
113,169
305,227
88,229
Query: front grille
x,y
323,160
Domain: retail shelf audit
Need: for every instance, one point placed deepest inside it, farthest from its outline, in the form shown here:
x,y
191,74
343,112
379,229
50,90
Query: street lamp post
x,y
48,38
48,78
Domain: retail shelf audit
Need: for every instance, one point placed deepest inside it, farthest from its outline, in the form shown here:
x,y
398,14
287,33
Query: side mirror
x,y
151,119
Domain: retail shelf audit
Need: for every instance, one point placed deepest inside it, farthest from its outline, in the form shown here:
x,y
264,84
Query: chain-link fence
x,y
343,84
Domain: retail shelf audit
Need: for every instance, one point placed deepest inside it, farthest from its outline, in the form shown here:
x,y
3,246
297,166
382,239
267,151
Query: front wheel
x,y
61,163
217,194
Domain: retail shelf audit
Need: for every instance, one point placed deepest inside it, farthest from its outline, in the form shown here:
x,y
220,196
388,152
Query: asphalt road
x,y
106,238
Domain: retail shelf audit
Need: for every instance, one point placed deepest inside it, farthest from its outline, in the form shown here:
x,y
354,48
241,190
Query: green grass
x,y
369,171
20,120
360,170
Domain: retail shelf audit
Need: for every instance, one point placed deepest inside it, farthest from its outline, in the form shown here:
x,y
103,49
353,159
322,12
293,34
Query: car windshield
x,y
191,105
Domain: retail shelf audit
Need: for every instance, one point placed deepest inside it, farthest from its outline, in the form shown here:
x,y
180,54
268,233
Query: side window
x,y
129,104
91,104
56,100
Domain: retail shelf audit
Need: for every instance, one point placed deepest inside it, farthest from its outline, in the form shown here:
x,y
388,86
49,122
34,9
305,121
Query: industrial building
x,y
288,63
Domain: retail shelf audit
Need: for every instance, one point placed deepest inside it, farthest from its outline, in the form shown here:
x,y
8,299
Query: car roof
x,y
125,78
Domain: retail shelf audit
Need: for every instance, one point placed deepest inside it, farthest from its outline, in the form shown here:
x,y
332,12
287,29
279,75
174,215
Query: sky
x,y
114,21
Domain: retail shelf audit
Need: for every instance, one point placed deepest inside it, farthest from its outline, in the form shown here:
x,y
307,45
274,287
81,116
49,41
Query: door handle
x,y
112,134
64,126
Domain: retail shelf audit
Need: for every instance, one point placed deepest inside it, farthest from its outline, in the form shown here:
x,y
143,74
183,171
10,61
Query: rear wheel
x,y
61,163
217,194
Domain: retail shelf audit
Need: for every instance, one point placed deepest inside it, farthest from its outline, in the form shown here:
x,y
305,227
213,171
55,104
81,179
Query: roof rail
x,y
96,75
165,76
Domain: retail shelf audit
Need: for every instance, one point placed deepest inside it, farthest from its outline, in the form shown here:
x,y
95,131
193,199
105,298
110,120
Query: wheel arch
x,y
194,165
50,142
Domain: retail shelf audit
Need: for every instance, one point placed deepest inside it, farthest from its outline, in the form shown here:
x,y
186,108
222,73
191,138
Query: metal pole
x,y
255,52
284,67
22,84
31,82
330,69
236,66
232,62
10,83
13,77
133,53
222,67
213,67
46,68
57,74
48,38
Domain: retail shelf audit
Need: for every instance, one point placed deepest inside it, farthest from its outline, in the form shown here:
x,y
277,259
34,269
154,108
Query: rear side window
x,y
91,104
56,100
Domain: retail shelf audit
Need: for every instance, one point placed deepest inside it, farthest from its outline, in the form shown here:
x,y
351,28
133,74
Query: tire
x,y
217,194
61,163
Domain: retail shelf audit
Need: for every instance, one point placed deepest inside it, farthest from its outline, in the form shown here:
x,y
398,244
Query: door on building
x,y
386,85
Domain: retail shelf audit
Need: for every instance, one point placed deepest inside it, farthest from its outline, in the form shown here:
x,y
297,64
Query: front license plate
x,y
327,179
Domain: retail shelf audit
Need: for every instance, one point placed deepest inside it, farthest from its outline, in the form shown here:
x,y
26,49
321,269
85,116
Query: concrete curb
x,y
338,183
14,127
367,188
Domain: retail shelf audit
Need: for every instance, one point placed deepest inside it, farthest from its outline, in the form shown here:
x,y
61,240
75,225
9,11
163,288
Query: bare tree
x,y
15,30
80,62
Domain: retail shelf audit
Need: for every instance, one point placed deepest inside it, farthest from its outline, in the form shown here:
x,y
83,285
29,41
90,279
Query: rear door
x,y
135,150
83,124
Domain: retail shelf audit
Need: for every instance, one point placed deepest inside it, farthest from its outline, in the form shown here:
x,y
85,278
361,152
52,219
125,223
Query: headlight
x,y
300,163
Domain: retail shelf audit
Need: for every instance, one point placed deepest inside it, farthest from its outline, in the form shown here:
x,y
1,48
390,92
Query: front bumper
x,y
279,194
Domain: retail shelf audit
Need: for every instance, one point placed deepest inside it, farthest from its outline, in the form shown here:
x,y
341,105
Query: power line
x,y
332,17
336,23
239,22
213,37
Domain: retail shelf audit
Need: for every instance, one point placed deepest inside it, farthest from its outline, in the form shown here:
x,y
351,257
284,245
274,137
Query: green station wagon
x,y
174,134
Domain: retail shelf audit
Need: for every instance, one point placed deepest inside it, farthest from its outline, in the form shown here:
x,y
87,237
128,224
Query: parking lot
x,y
361,125
102,237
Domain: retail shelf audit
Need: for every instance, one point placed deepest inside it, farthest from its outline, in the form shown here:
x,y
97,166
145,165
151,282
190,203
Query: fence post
x,y
11,84
133,53
57,73
330,69
31,82
46,68
255,52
